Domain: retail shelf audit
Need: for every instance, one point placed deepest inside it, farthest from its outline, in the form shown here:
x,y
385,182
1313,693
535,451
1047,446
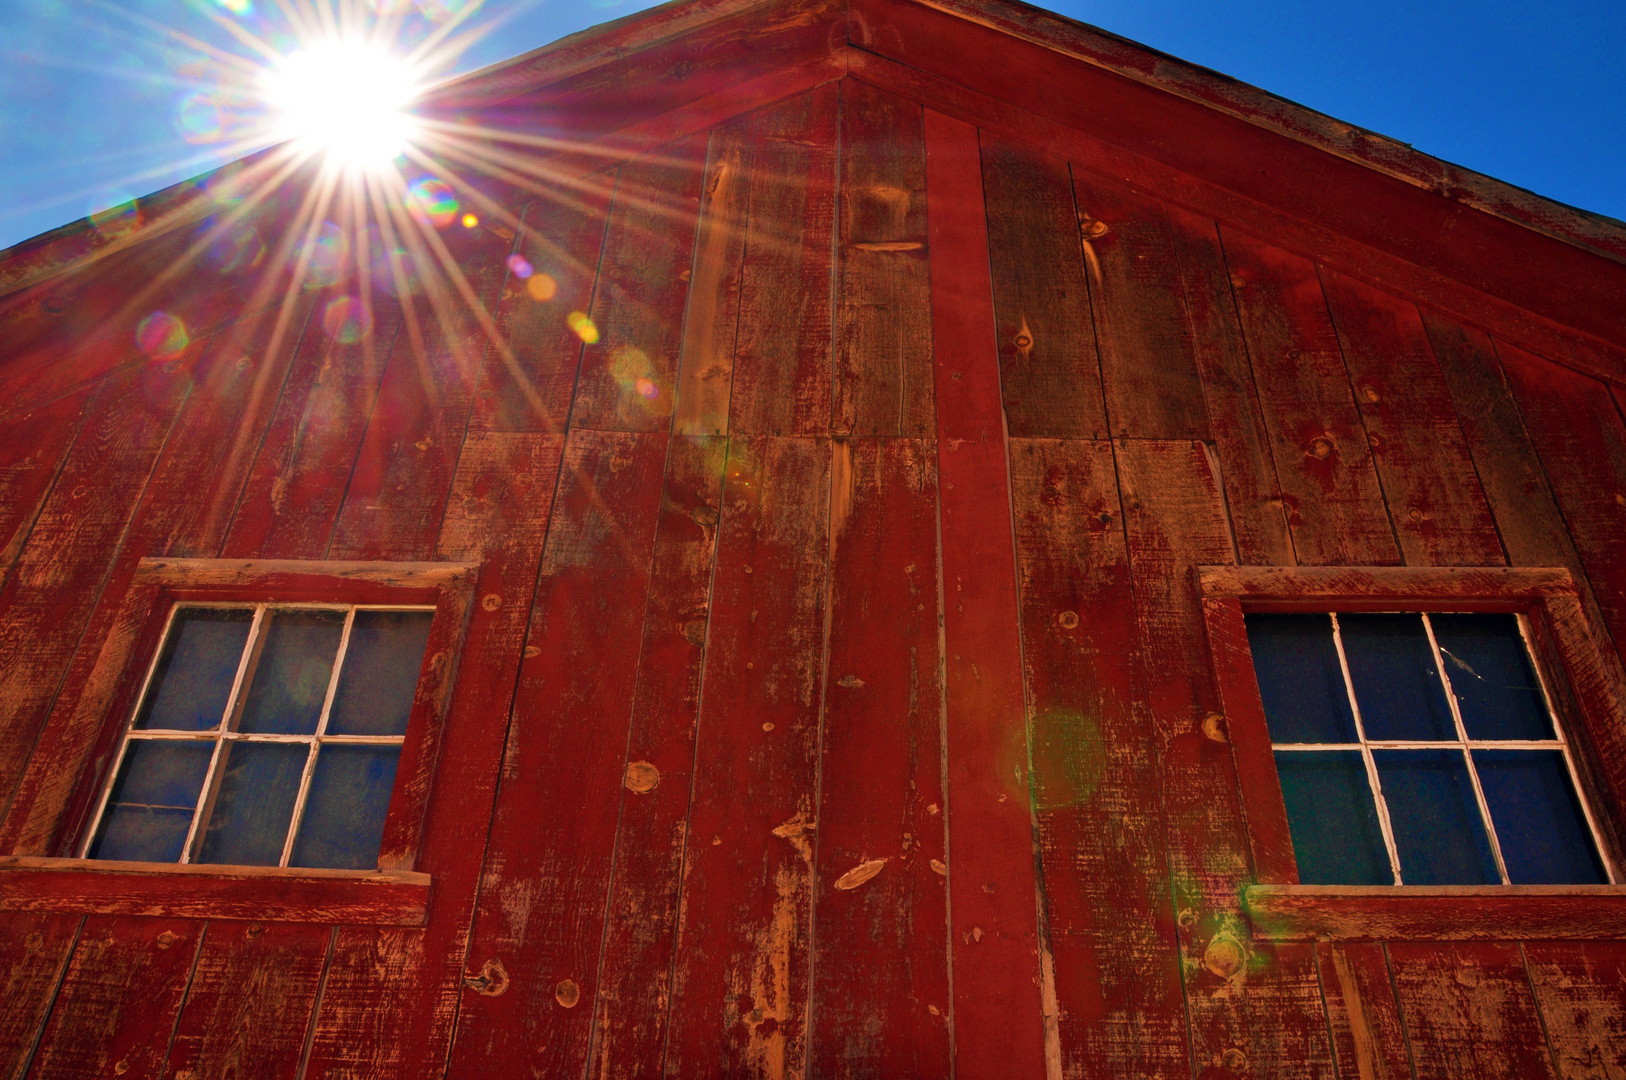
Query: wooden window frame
x,y
69,770
1587,687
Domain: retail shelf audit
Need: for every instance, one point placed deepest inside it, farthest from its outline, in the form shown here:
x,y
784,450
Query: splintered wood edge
x,y
1436,913
262,893
1497,585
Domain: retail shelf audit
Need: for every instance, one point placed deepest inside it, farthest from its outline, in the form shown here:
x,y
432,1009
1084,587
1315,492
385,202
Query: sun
x,y
345,98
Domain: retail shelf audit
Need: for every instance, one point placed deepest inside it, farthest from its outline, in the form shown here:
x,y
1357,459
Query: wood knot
x,y
1214,727
1321,448
1416,515
1234,1059
1094,230
1238,281
938,867
694,632
860,874
491,601
851,682
567,993
491,982
167,938
704,515
1068,620
642,777
254,930
1370,395
1224,956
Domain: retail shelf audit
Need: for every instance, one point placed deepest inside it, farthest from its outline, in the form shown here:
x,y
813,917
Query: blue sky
x,y
96,96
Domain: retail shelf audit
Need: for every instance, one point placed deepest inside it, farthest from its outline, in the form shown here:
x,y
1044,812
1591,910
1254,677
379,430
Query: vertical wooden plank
x,y
1003,1006
1241,996
1148,359
705,375
1469,1010
881,991
1094,767
542,899
1049,371
298,480
781,382
1578,432
116,1010
34,951
883,371
1242,443
1368,1036
530,371
739,1006
497,516
629,376
397,491
32,449
59,577
1333,500
250,1000
631,1008
1581,989
1438,507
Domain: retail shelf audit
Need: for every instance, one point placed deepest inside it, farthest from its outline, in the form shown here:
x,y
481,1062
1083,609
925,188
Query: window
x,y
265,735
1419,749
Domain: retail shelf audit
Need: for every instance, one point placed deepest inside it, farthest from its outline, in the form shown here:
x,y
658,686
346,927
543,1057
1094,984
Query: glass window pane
x,y
1491,675
151,804
1544,835
291,677
1299,679
196,669
380,673
1435,818
1397,684
1336,836
254,804
344,813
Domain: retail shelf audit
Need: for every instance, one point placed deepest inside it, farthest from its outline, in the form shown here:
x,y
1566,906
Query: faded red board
x,y
1049,373
249,1002
1581,988
115,1013
1333,499
1468,1010
543,894
1148,360
34,952
1368,1037
32,448
631,1009
629,377
881,986
998,1008
740,988
497,516
1095,768
781,382
882,383
1438,508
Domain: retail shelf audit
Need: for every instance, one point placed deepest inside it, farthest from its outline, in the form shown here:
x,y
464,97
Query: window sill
x,y
268,893
1439,913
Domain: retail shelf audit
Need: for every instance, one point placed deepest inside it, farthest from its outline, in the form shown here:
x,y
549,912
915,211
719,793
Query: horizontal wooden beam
x,y
1436,913
269,893
1384,587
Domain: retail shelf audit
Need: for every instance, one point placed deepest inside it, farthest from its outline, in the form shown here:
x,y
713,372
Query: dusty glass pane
x,y
196,669
150,807
254,803
380,673
1490,673
1544,835
344,813
1397,684
291,678
1333,820
1438,832
1300,680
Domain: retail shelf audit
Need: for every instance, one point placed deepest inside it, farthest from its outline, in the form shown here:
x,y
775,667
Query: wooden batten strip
x,y
1437,912
1344,586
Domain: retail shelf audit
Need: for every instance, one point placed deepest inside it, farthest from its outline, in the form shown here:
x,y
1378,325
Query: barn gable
x,y
843,457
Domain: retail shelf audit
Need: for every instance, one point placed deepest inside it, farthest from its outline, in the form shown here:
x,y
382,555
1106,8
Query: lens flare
x,y
392,260
232,250
329,257
432,200
542,287
346,98
202,118
582,326
470,221
162,336
237,7
347,320
519,267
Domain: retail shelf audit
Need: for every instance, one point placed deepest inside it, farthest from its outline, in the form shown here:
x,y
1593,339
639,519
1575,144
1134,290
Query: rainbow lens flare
x,y
347,320
162,336
432,200
582,326
329,253
519,267
542,287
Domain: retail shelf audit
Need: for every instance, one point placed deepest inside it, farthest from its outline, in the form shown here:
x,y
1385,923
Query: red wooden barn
x,y
829,538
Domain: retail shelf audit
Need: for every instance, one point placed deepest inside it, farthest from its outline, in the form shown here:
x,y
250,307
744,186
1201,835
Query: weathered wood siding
x,y
834,705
